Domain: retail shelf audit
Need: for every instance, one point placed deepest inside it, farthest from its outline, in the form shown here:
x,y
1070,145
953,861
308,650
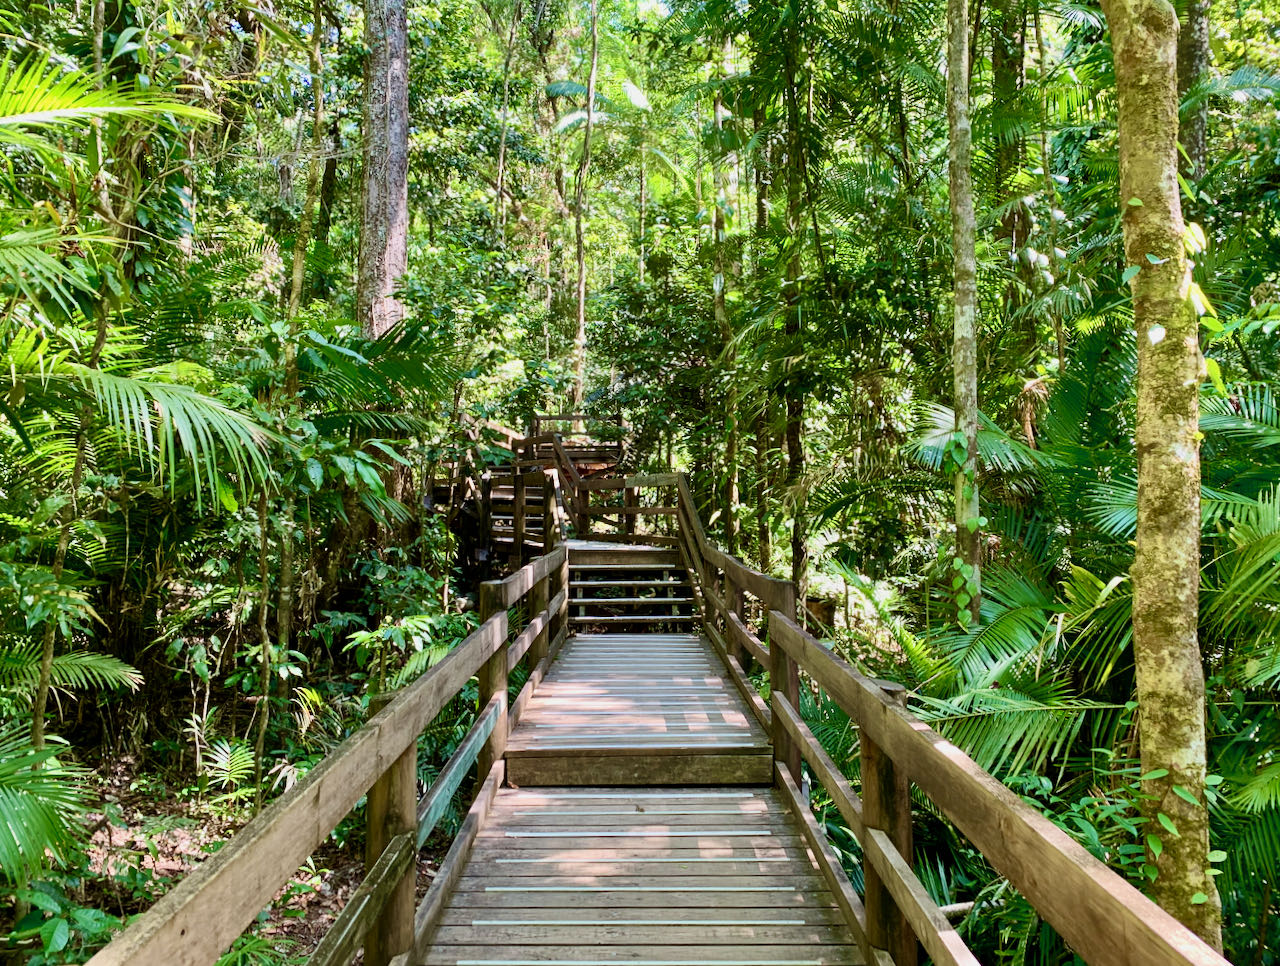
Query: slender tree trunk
x,y
1194,57
644,212
763,436
793,331
264,663
500,213
1050,188
579,201
1166,567
315,170
384,228
719,285
965,339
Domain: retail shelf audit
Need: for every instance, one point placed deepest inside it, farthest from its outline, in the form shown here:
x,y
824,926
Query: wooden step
x,y
633,619
678,582
665,601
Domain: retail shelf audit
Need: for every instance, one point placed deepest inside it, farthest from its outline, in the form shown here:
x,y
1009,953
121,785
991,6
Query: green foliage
x,y
41,802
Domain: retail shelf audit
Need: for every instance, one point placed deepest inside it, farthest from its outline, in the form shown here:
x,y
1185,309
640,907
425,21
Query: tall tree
x,y
719,305
384,244
965,337
1193,63
1166,568
579,201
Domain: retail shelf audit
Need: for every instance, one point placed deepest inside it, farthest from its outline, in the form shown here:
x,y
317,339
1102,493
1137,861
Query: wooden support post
x,y
735,600
486,515
560,620
493,681
517,517
584,511
550,518
630,499
886,805
392,810
784,676
539,596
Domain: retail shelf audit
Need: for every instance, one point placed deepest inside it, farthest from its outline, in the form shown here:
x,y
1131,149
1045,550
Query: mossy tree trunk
x,y
1166,569
964,352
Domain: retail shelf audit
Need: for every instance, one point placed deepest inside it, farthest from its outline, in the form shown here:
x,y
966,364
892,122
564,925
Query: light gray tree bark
x,y
579,201
964,352
384,206
1166,568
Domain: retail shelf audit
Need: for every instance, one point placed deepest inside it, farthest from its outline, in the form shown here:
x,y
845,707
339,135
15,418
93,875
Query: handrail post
x,y
630,501
539,597
735,601
392,810
493,681
784,678
517,515
886,805
550,519
486,512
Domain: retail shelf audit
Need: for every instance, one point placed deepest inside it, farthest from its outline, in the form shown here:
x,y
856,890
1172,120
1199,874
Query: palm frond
x,y
34,94
76,671
39,800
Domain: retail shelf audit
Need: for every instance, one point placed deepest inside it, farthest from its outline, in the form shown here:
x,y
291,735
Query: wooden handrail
x,y
1101,916
195,922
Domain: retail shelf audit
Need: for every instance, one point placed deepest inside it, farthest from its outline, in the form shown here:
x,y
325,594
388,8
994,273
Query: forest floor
x,y
146,839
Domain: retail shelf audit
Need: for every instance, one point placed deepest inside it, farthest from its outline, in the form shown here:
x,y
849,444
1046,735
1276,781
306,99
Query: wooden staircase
x,y
629,588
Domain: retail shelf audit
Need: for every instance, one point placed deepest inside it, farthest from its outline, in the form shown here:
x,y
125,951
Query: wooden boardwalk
x,y
661,878
637,801
591,856
637,709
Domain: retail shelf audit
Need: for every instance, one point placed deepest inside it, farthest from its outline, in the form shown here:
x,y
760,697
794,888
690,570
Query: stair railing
x,y
204,914
1101,916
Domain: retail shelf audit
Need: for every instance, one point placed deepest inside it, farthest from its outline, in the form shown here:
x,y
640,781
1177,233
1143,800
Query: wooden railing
x,y
193,924
1101,916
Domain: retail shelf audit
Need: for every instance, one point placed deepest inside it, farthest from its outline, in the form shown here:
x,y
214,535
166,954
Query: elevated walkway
x,y
638,709
636,800
679,876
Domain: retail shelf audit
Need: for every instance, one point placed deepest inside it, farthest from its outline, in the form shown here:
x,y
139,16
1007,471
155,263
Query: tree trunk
x,y
793,331
763,549
385,180
500,213
579,200
965,340
1166,568
719,285
1193,63
264,663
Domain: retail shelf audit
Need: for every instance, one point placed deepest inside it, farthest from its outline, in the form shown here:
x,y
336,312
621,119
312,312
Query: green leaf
x,y
1199,899
1135,203
1217,855
1155,845
1155,261
1167,822
1185,795
54,934
1154,775
1215,375
1130,273
315,473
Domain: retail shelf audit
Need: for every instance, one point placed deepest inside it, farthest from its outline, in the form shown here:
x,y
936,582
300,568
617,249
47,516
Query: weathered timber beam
x,y
435,802
347,934
1106,921
195,922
